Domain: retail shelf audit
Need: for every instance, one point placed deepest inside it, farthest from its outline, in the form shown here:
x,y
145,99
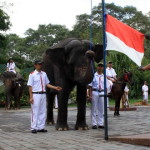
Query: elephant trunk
x,y
86,73
90,54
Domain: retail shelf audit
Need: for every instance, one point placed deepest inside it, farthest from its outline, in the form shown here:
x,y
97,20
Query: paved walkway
x,y
15,133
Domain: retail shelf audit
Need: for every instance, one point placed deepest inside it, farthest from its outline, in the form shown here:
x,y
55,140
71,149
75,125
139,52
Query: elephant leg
x,y
16,102
117,106
8,102
115,112
50,104
19,103
119,98
81,104
62,110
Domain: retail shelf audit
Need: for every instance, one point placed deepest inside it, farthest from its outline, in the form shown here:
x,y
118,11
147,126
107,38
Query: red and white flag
x,y
124,39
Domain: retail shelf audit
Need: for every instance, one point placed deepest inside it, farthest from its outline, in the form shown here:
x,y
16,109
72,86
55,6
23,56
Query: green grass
x,y
131,101
111,102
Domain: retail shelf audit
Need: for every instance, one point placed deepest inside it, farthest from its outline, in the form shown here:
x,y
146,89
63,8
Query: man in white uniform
x,y
96,92
37,82
56,102
111,76
145,92
111,73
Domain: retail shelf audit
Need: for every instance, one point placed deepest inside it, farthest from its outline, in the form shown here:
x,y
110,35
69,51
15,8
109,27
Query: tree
x,y
37,41
4,25
128,15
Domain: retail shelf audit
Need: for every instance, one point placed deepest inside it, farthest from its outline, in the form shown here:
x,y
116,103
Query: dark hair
x,y
110,62
9,59
38,62
100,65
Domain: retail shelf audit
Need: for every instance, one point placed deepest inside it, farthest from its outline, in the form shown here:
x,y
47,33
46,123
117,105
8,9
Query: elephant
x,y
14,86
70,63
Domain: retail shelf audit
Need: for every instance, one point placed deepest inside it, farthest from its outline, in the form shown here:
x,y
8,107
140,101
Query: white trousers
x,y
38,114
56,102
145,95
97,108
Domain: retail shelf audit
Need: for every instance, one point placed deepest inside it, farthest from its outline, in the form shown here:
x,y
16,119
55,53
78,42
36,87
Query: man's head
x,y
100,67
109,64
10,59
38,64
145,82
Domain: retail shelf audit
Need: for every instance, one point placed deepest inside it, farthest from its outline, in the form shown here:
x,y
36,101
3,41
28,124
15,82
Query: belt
x,y
39,92
98,90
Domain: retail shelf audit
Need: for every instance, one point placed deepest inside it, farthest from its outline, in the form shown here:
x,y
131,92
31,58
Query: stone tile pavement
x,y
15,133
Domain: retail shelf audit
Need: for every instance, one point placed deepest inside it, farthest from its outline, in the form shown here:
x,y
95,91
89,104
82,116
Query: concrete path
x,y
15,133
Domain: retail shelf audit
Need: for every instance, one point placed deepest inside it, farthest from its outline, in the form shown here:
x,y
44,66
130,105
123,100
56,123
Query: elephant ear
x,y
55,55
147,36
98,49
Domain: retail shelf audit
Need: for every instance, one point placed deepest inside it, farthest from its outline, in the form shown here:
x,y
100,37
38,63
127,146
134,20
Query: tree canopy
x,y
4,26
35,42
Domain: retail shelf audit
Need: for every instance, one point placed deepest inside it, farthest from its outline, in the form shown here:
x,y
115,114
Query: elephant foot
x,y
50,122
62,127
81,127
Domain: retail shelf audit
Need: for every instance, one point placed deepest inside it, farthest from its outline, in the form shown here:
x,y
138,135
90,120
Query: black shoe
x,y
33,131
101,127
94,127
42,130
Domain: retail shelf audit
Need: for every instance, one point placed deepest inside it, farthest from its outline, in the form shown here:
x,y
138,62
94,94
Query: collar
x,y
109,68
36,72
99,74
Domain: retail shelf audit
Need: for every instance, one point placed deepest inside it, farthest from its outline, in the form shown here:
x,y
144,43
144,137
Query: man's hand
x,y
141,68
31,100
58,88
113,80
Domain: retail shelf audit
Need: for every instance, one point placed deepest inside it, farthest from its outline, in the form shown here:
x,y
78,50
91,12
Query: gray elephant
x,y
68,64
14,86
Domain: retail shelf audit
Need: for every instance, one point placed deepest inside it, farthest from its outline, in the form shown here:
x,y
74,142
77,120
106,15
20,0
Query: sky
x,y
25,14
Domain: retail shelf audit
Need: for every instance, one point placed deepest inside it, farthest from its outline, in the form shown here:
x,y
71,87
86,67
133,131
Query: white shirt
x,y
98,82
11,66
145,88
38,81
110,72
126,89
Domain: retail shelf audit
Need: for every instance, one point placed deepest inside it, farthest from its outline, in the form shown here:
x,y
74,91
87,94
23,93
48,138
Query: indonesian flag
x,y
124,39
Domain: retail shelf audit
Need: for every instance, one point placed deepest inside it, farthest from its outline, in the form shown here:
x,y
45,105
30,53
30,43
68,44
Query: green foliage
x,y
37,41
121,62
4,25
4,21
26,50
73,96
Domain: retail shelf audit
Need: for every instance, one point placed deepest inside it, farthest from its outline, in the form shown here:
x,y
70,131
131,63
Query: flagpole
x,y
104,59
